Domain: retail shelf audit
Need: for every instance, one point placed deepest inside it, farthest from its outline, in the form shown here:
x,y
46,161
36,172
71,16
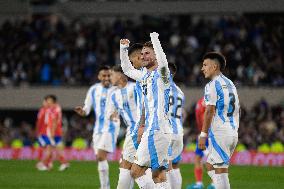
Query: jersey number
x,y
231,104
144,89
179,105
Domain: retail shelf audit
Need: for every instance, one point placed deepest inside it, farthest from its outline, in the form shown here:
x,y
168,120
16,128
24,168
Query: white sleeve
x,y
127,67
161,59
88,101
210,96
111,107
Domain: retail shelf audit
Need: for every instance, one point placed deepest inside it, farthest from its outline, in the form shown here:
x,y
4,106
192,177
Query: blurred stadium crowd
x,y
48,50
261,129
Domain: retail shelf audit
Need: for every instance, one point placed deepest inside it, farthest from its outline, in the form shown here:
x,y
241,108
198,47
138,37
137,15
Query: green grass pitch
x,y
83,175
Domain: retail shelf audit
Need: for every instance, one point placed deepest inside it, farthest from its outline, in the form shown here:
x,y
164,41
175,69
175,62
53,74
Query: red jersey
x,y
55,113
41,122
199,113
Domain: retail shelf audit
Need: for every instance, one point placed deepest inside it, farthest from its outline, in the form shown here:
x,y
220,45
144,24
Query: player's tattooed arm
x,y
161,58
126,65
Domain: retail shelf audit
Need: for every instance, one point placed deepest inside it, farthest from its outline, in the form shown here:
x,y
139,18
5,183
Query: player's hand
x,y
201,143
154,34
114,117
79,110
124,43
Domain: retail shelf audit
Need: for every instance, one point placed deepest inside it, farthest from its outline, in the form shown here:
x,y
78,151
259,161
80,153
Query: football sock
x,y
198,172
144,182
103,174
174,178
222,181
125,181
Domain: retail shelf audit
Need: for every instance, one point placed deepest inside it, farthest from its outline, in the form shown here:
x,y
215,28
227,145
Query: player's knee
x,y
134,173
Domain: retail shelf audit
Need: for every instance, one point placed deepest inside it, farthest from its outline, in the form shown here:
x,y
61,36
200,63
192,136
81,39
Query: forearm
x,y
208,116
161,58
127,67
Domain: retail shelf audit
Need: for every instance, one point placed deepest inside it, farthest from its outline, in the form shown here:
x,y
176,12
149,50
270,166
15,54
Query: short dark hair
x,y
51,96
134,47
117,68
218,57
104,67
172,67
148,44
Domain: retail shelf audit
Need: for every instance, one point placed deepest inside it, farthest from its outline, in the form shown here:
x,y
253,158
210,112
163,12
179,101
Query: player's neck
x,y
153,67
216,74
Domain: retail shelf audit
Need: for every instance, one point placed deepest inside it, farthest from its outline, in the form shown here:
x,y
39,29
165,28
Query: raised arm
x,y
126,65
161,59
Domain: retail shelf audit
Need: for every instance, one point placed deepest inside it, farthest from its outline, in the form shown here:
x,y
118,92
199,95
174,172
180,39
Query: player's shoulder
x,y
179,89
95,86
131,84
228,81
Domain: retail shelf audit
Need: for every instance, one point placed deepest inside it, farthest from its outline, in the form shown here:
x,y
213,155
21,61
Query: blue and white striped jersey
x,y
99,98
124,101
222,93
155,87
176,106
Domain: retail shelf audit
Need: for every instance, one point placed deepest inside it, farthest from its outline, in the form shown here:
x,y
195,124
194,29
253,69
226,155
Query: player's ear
x,y
100,76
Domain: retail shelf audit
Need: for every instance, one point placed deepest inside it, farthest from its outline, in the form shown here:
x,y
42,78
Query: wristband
x,y
203,134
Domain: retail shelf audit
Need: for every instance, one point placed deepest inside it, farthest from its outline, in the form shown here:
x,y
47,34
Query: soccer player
x,y
52,134
153,149
124,102
40,130
221,119
56,118
176,108
199,154
105,130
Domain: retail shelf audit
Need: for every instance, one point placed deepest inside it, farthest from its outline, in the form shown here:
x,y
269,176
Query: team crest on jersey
x,y
224,87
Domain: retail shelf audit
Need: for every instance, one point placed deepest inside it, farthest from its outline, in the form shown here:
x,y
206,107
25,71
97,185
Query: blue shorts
x,y
44,140
198,151
57,140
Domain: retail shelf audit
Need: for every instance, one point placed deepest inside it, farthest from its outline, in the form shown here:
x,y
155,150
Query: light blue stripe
x,y
103,106
147,113
135,95
173,119
177,159
182,105
155,93
112,131
94,103
139,104
229,86
170,150
153,153
113,98
126,108
218,149
220,101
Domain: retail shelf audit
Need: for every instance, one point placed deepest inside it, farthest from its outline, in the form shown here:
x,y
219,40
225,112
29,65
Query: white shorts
x,y
220,150
129,149
176,146
152,151
104,141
